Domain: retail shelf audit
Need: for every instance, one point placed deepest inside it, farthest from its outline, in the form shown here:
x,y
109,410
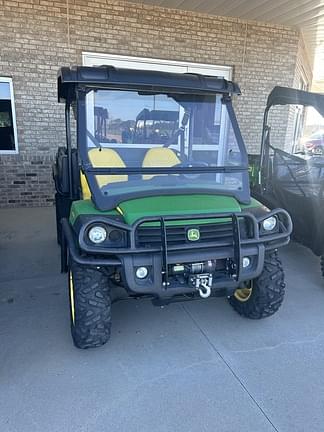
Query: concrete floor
x,y
186,367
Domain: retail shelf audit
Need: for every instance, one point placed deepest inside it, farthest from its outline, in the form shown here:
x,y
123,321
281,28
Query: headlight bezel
x,y
116,236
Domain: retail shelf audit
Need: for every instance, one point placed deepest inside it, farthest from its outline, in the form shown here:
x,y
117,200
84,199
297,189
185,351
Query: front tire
x,y
322,265
90,306
264,295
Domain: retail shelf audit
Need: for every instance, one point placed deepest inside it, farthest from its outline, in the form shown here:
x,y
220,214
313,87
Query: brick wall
x,y
39,36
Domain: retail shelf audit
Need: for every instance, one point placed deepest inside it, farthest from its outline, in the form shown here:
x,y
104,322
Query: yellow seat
x,y
159,157
103,158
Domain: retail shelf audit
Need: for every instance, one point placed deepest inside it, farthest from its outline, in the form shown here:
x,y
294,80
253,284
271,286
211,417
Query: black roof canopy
x,y
148,81
290,96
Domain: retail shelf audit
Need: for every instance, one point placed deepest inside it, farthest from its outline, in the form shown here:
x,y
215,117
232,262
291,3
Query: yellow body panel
x,y
84,187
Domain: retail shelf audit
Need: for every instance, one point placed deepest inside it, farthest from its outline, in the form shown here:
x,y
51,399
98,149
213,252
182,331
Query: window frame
x,y
107,202
9,81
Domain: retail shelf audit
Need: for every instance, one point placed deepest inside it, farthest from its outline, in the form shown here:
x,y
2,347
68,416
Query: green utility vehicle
x,y
159,204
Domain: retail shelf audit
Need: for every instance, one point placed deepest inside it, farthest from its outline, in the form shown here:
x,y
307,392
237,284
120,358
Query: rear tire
x,y
322,265
90,306
266,292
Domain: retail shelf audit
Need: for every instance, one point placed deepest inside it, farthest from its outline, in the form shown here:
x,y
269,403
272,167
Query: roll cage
x,y
75,83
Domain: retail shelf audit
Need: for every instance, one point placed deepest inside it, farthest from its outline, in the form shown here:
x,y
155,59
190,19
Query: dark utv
x,y
294,178
157,201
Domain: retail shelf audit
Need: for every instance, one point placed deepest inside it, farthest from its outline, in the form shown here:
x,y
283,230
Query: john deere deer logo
x,y
193,234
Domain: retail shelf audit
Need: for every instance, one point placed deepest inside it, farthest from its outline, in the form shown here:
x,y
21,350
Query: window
x,y
8,132
133,122
139,131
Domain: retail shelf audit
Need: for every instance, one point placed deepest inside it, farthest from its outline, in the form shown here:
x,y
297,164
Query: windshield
x,y
190,136
297,129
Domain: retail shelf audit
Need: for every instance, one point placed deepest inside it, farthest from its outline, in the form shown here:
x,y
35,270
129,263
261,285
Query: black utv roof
x,y
148,81
290,96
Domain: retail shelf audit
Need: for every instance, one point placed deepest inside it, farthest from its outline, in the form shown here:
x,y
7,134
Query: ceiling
x,y
306,15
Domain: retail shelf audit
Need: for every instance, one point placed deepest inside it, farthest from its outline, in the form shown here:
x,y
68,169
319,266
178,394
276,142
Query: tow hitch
x,y
202,283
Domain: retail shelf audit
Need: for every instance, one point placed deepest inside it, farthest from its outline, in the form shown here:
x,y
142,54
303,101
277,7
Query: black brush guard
x,y
159,258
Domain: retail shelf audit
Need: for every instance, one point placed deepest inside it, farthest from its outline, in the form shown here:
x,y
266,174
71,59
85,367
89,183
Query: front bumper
x,y
159,260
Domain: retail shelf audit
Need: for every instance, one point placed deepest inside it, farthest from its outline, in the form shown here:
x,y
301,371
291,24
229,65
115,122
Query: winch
x,y
199,275
194,268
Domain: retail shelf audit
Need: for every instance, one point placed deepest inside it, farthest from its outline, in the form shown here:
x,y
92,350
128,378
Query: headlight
x,y
97,234
269,224
141,272
246,262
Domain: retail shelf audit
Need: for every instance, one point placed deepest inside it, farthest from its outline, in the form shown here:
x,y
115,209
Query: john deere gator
x,y
157,203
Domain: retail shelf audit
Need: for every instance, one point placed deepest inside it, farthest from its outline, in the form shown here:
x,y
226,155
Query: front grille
x,y
150,237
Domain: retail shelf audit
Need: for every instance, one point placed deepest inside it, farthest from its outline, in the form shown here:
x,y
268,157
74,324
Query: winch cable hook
x,y
204,290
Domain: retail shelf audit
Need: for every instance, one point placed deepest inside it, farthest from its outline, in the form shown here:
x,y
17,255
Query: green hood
x,y
163,206
175,205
